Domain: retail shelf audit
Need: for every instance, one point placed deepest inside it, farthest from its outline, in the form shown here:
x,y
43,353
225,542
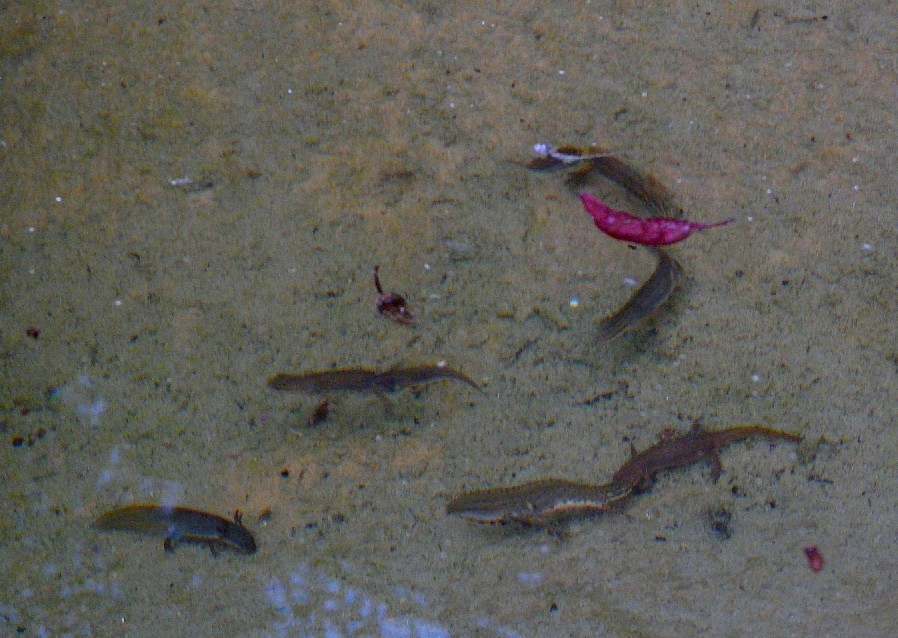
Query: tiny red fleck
x,y
34,332
815,558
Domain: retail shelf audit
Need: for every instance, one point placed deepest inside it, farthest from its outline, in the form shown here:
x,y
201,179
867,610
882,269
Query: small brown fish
x,y
676,451
647,298
539,503
176,524
364,380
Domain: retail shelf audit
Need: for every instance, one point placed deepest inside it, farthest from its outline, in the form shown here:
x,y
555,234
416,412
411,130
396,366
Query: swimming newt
x,y
646,300
583,161
644,187
548,157
539,503
178,524
364,380
676,451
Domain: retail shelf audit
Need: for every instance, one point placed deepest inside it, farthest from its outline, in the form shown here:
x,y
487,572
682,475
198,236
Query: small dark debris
x,y
285,473
622,386
18,441
33,331
391,305
719,521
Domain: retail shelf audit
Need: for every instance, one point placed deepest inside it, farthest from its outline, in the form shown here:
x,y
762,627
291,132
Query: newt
x,y
549,157
646,300
583,161
644,187
364,379
676,451
537,503
178,524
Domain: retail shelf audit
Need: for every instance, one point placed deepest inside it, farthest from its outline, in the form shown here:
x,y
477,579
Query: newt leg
x,y
558,533
716,467
644,485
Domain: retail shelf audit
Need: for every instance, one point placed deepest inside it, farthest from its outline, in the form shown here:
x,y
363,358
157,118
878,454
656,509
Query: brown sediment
x,y
677,451
364,380
540,502
646,300
176,524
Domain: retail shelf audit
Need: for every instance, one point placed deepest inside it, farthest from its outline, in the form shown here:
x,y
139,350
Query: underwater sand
x,y
193,197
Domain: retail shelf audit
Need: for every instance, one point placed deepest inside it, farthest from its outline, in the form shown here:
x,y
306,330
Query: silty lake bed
x,y
194,197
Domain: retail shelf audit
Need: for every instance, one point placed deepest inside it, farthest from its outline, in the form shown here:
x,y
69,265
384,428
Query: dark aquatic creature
x,y
364,379
676,451
646,300
542,502
176,524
